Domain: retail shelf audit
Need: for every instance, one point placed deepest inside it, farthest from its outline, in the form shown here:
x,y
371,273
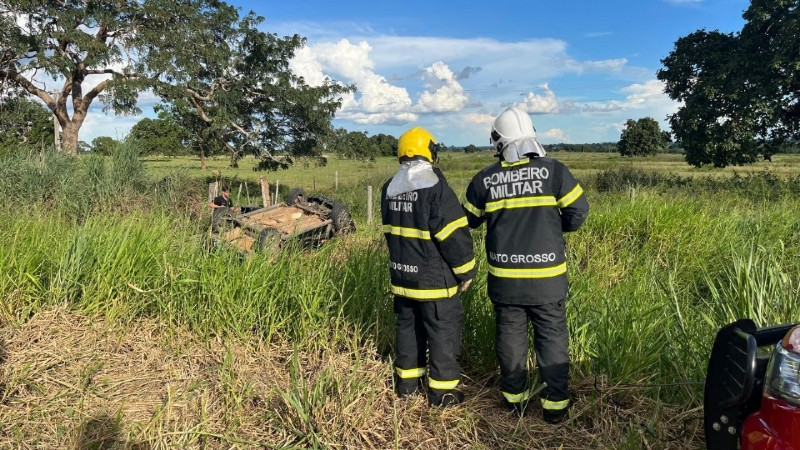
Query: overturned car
x,y
308,221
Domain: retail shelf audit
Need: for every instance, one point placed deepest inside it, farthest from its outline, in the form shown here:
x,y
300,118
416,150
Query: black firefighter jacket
x,y
527,207
430,246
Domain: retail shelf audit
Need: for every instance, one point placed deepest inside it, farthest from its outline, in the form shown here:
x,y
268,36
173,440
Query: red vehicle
x,y
752,389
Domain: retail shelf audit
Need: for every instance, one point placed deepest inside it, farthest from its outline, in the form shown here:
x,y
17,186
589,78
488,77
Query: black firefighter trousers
x,y
550,342
436,325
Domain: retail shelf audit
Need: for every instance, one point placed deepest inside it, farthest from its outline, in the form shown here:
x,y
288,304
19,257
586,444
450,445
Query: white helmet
x,y
514,127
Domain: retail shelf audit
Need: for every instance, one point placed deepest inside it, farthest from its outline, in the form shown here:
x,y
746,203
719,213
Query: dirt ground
x,y
72,381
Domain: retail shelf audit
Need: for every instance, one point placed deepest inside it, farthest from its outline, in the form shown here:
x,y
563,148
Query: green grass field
x,y
120,331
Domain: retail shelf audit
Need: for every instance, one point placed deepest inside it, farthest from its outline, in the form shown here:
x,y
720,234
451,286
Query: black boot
x,y
554,416
449,398
405,387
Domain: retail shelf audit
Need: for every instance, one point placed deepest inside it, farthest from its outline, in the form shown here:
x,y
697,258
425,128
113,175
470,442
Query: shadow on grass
x,y
103,432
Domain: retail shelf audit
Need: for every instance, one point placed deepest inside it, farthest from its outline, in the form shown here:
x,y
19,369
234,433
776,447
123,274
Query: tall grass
x,y
653,275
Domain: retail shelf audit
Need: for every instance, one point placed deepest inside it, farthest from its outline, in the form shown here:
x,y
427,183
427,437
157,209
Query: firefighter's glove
x,y
464,285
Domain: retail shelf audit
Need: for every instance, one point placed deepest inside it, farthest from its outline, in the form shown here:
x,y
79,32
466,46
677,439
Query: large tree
x,y
740,91
196,53
241,88
642,137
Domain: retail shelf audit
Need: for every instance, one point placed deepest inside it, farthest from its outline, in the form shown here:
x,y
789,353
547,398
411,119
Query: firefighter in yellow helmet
x,y
431,261
528,201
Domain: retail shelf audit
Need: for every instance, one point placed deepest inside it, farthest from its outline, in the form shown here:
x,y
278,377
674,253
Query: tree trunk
x,y
70,138
234,159
202,158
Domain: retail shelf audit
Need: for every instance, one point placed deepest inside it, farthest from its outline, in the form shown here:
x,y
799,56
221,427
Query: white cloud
x,y
304,64
376,101
553,134
379,118
479,118
540,104
447,94
459,85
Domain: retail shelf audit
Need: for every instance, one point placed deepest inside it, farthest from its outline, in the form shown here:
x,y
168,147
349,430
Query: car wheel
x,y
342,220
221,219
296,196
268,239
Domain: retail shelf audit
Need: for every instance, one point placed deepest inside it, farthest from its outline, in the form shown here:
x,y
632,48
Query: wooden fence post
x,y
369,204
277,184
212,190
264,191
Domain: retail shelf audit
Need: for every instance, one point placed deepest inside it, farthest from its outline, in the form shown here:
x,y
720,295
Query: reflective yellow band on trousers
x,y
424,294
551,405
407,232
465,268
442,385
450,228
410,373
545,272
517,398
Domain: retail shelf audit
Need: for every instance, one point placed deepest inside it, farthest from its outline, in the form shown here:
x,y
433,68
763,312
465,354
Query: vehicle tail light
x,y
782,380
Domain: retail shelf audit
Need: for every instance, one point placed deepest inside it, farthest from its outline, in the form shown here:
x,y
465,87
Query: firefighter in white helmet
x,y
431,260
527,201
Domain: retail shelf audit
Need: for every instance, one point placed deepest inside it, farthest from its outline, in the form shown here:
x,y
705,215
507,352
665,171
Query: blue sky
x,y
580,68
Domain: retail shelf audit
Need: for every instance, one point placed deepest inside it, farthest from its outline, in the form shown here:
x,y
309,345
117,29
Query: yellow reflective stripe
x,y
518,163
568,199
465,268
410,373
522,202
424,294
450,228
445,385
551,405
544,272
517,398
477,212
407,232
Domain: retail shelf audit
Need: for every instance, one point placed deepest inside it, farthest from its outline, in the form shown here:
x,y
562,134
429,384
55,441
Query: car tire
x,y
268,239
221,218
342,220
296,196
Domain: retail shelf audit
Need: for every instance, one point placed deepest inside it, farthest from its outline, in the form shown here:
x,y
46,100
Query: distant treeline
x,y
602,147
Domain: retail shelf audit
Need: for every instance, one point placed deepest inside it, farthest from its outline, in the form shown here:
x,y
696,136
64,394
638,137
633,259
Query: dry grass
x,y
72,381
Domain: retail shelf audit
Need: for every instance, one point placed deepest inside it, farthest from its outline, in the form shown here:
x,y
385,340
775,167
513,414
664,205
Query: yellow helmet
x,y
417,143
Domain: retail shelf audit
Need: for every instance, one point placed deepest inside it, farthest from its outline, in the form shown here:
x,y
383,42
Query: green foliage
x,y
471,149
68,42
24,123
160,136
104,145
200,56
240,91
642,137
386,144
739,91
602,147
356,145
